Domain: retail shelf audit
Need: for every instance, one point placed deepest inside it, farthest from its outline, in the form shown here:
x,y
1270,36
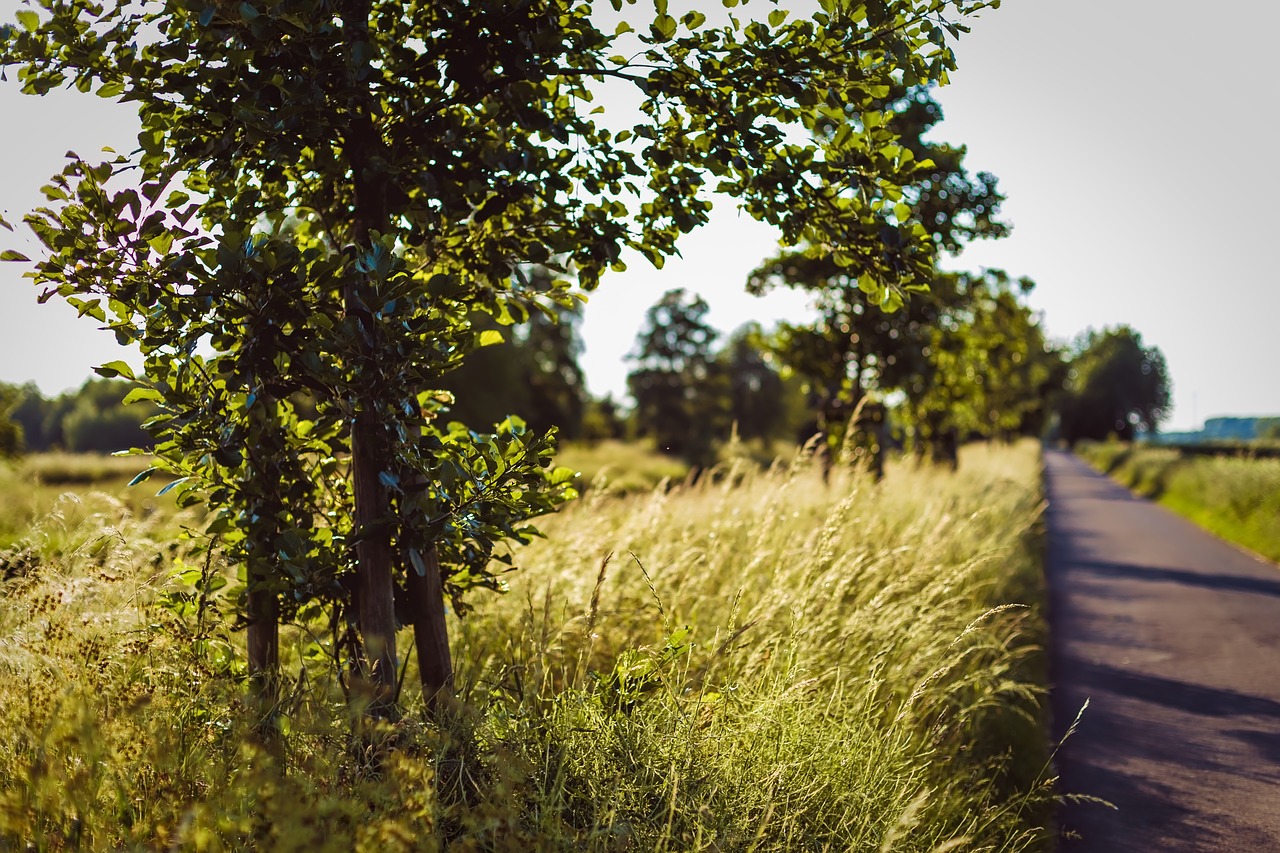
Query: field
x,y
1235,497
747,662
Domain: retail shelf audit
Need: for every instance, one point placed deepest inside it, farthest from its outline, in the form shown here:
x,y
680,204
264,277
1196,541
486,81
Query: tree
x,y
98,421
328,192
759,396
603,419
90,419
534,374
10,430
1117,386
980,367
860,333
679,388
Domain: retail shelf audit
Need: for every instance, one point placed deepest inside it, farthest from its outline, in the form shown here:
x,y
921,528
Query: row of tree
x,y
967,360
982,372
965,356
90,419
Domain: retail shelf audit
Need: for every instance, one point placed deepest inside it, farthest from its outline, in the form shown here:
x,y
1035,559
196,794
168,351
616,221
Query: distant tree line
x,y
966,361
90,419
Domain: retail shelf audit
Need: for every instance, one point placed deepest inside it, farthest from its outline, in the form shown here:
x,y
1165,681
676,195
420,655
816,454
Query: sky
x,y
1133,139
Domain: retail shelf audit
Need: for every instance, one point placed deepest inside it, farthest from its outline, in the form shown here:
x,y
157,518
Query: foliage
x,y
327,191
533,372
967,359
90,419
1117,387
603,419
764,403
11,433
692,397
861,344
98,422
983,367
668,701
679,388
1236,498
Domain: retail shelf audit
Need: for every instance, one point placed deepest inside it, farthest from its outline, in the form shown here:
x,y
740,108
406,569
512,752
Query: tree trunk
x,y
264,653
945,449
370,457
375,589
430,634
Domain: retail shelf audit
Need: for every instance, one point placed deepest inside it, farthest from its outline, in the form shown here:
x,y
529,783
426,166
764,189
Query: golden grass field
x,y
752,661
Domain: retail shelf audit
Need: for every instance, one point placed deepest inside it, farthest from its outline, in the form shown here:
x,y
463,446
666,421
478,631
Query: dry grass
x,y
764,664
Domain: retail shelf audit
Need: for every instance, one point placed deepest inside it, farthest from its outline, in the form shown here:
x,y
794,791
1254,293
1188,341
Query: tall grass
x,y
32,487
1236,498
620,467
751,662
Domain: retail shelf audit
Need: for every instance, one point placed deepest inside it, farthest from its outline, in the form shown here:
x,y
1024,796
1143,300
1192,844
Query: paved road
x,y
1174,638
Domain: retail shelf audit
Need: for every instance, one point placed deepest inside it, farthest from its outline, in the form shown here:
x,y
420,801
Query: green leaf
x,y
30,20
142,394
561,475
693,20
115,368
172,486
489,337
11,255
145,475
162,242
777,16
663,27
419,565
113,89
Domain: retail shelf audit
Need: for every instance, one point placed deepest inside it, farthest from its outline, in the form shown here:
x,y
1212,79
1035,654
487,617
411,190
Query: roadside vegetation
x,y
1235,497
751,661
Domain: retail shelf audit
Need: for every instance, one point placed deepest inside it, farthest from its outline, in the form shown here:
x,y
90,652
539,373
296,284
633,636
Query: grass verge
x,y
763,663
1235,498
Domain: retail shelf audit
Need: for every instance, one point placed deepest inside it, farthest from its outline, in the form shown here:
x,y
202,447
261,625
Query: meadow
x,y
1235,497
748,661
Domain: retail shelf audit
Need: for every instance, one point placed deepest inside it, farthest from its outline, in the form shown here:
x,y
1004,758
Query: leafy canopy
x,y
327,195
1118,385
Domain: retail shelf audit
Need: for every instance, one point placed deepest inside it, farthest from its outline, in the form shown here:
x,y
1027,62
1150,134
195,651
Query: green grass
x,y
1235,498
753,662
620,467
71,489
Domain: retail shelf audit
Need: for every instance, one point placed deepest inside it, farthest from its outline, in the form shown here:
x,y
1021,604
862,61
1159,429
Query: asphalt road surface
x,y
1173,637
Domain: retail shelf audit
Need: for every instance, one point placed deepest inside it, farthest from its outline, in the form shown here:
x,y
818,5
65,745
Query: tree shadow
x,y
1150,805
1095,678
1115,806
1155,574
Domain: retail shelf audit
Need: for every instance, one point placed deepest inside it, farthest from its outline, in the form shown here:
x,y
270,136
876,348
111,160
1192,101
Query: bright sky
x,y
1132,137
